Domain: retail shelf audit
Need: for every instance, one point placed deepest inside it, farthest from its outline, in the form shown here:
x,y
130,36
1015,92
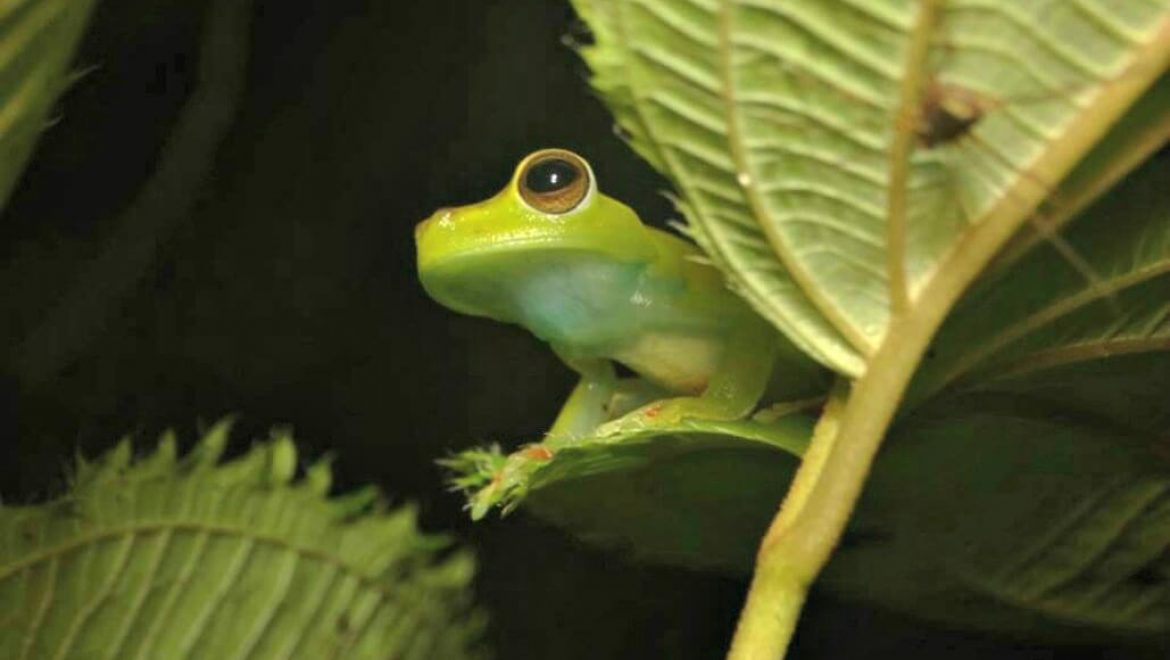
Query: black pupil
x,y
550,175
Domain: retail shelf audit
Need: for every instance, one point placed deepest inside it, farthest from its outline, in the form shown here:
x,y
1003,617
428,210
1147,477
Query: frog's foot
x,y
667,413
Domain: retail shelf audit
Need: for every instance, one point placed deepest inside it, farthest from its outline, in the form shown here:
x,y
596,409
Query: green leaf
x,y
1004,518
787,129
983,513
670,494
37,40
168,557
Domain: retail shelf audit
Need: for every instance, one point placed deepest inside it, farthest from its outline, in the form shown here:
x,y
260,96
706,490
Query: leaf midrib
x,y
224,531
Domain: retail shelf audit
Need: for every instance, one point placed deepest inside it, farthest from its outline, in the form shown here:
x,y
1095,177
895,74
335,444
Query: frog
x,y
610,295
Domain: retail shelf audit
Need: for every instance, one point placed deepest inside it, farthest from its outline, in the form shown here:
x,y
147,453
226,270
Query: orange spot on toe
x,y
538,453
653,411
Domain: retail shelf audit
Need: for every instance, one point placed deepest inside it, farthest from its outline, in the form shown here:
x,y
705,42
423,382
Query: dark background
x,y
287,294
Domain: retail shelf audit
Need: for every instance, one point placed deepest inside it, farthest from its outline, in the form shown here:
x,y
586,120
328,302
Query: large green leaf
x,y
37,39
169,558
783,126
982,512
1001,517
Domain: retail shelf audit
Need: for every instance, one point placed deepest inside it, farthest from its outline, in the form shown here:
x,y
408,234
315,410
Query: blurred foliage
x,y
167,557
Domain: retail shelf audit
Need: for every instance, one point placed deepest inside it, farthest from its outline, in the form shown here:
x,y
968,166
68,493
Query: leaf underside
x,y
776,122
169,557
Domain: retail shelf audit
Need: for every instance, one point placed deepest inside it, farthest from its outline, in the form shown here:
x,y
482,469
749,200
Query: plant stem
x,y
818,506
770,613
775,599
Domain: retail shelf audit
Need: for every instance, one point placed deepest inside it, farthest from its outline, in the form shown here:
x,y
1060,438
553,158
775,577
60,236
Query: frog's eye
x,y
554,181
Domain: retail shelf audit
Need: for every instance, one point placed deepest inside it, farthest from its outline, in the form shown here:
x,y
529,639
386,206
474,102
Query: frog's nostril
x,y
440,218
443,217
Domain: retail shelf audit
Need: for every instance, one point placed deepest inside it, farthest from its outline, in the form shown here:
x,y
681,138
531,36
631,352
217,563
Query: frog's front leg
x,y
733,391
586,408
588,405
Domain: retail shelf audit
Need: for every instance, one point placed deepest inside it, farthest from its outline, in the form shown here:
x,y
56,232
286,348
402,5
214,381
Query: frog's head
x,y
472,257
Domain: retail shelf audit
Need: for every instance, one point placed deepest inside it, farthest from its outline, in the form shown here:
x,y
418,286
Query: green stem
x,y
777,593
821,499
770,614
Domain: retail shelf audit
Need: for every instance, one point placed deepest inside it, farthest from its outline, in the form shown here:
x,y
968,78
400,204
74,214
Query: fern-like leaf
x,y
169,557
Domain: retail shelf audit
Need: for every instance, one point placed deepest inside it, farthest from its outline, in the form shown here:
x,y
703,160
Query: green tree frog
x,y
579,270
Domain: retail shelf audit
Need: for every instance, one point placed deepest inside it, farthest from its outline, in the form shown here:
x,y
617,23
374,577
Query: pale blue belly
x,y
616,311
585,304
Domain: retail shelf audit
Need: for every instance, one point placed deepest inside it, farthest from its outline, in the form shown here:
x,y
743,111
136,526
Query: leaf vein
x,y
1013,16
86,611
747,177
42,609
